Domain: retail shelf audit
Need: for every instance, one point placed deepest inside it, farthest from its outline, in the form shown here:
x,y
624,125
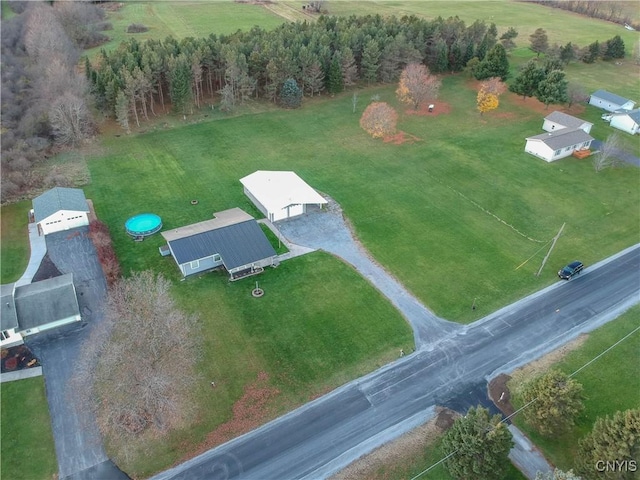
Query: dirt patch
x,y
249,412
400,450
439,108
499,391
401,138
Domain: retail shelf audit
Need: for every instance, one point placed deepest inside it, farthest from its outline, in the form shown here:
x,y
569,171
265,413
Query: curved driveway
x,y
328,231
322,437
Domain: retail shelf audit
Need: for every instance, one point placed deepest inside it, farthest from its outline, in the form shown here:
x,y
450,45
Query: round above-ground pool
x,y
143,225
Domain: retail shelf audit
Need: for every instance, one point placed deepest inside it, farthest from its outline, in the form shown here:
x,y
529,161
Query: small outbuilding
x,y
280,194
610,101
627,121
60,209
559,144
558,120
233,240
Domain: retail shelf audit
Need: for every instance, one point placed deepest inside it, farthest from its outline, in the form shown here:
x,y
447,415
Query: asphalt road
x,y
327,434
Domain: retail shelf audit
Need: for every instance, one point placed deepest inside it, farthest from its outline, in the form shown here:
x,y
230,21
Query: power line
x,y
532,401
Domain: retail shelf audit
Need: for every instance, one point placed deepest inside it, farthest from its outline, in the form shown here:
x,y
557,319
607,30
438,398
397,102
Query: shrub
x,y
137,28
99,234
379,119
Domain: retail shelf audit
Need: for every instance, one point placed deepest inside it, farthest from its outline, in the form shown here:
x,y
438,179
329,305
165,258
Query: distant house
x,y
36,307
558,120
60,209
280,194
627,121
233,240
610,101
559,144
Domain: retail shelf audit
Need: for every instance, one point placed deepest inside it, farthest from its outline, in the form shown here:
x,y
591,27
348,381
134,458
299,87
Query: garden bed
x,y
17,358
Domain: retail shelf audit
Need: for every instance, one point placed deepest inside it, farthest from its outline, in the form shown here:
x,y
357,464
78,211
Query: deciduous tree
x,y
556,402
479,446
417,85
70,119
612,439
607,155
137,368
539,42
557,474
379,119
576,94
486,101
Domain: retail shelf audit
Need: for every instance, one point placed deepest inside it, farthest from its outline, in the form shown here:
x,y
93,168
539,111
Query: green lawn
x,y
610,384
186,19
26,436
318,325
14,247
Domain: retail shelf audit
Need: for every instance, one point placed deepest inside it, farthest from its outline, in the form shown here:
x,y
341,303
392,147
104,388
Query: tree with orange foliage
x,y
487,101
379,119
417,85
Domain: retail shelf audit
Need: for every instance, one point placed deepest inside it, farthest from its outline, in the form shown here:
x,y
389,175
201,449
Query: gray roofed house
x,y
46,304
60,209
610,101
628,121
233,239
559,120
558,144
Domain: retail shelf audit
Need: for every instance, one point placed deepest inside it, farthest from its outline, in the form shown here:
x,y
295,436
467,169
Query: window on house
x,y
216,258
4,335
195,264
557,152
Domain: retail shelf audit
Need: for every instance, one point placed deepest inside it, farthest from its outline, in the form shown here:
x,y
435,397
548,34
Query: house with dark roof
x,y
626,121
553,146
60,209
36,307
610,101
558,120
233,240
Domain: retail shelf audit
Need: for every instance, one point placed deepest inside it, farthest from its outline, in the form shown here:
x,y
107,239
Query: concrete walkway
x,y
38,251
526,456
327,230
21,374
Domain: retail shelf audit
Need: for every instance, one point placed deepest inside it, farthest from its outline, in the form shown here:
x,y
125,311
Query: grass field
x,y
333,328
610,384
26,437
14,247
428,211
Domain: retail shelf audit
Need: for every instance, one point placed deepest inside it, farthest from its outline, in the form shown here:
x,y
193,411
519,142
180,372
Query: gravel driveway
x,y
327,230
78,443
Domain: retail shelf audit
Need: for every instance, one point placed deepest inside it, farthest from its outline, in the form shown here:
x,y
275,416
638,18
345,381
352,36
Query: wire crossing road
x,y
322,437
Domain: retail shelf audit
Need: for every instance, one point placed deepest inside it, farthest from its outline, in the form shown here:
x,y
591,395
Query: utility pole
x,y
553,244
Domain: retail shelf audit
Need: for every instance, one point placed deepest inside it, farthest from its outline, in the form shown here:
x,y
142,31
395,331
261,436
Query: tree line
x,y
612,11
327,56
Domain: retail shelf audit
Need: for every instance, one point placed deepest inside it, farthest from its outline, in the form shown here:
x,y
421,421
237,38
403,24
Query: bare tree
x,y
138,366
608,154
576,94
70,119
417,85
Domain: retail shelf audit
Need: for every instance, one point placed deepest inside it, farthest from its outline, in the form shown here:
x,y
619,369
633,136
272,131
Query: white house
x,y
559,144
279,195
610,101
60,209
557,120
9,327
627,121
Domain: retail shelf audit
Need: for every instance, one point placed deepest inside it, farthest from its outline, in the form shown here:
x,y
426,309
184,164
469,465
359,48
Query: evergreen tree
x,y
479,446
592,52
494,65
370,63
349,68
557,399
553,89
567,53
527,81
290,94
507,38
180,83
441,63
334,78
614,48
612,439
539,41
